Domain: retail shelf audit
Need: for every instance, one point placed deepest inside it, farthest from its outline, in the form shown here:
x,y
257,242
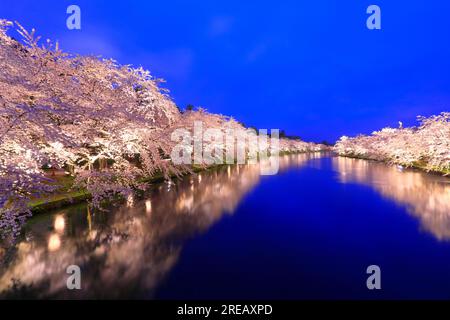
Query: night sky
x,y
309,67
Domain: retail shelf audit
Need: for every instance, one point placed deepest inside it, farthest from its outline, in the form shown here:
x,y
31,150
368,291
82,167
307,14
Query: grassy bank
x,y
64,196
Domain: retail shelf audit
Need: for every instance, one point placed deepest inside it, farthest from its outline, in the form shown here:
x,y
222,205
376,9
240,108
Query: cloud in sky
x,y
172,64
257,51
220,25
90,44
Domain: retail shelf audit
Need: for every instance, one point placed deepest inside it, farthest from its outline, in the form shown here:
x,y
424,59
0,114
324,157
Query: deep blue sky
x,y
309,67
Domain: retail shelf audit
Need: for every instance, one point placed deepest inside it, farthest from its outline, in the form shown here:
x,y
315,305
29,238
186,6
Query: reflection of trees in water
x,y
126,252
426,196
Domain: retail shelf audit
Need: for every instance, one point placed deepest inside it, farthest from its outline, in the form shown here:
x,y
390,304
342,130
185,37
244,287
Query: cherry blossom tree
x,y
426,146
109,126
61,110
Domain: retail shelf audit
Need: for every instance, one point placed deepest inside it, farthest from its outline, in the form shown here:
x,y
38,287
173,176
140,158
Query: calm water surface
x,y
307,233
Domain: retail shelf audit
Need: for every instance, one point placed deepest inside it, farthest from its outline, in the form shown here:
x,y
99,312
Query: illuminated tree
x,y
427,146
108,125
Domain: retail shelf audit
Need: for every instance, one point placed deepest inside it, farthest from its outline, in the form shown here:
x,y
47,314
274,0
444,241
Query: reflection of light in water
x,y
59,224
425,196
148,206
54,242
199,178
89,219
185,202
92,234
141,248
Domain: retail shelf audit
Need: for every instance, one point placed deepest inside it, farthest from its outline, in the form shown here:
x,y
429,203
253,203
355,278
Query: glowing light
x,y
89,219
59,224
54,242
148,206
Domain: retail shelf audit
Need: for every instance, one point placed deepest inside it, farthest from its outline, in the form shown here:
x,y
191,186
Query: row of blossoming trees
x,y
107,124
426,146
